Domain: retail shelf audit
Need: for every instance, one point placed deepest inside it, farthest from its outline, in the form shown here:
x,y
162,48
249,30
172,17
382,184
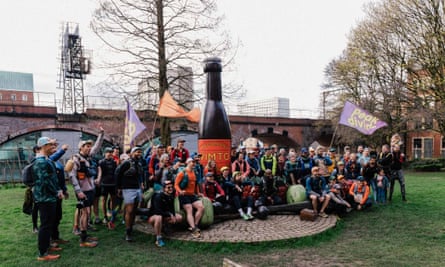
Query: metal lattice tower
x,y
74,67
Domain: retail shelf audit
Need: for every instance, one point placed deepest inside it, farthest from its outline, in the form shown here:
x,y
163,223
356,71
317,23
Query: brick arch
x,y
48,127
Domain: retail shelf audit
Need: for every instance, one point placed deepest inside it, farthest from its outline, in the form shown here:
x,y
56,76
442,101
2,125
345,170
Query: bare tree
x,y
160,44
394,64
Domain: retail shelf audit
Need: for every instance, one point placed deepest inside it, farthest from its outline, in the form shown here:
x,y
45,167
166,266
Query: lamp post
x,y
324,95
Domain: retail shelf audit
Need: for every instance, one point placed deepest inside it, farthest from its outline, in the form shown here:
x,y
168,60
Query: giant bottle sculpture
x,y
214,140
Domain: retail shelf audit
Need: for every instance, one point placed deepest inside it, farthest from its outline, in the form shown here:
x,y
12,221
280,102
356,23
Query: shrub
x,y
427,165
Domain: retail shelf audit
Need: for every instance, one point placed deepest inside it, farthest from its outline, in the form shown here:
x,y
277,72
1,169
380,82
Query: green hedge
x,y
427,165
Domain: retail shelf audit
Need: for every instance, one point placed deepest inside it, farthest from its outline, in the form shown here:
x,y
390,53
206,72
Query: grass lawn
x,y
396,234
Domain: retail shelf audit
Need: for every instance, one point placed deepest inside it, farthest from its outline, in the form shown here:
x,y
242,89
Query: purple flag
x,y
360,119
133,127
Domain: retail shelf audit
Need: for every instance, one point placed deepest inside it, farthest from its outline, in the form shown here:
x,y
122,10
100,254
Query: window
x,y
442,148
24,97
428,147
417,148
1,97
423,148
13,97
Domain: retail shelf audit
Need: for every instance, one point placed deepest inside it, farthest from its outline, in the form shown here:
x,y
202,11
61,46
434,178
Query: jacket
x,y
46,187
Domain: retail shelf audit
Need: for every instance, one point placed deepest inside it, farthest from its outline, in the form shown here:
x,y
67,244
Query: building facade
x,y
16,88
272,107
180,87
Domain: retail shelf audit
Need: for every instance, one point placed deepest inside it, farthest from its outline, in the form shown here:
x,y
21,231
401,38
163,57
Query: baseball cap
x,y
304,150
196,155
44,141
224,168
209,174
360,178
134,149
181,140
166,182
332,149
235,173
108,150
84,142
189,160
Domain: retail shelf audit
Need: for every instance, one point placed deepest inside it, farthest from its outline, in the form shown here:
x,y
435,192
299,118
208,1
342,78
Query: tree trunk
x,y
163,84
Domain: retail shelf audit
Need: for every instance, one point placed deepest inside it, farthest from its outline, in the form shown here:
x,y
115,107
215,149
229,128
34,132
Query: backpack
x,y
28,174
185,180
28,202
69,165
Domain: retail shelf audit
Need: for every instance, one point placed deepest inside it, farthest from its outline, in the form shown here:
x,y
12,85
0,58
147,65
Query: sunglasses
x,y
169,187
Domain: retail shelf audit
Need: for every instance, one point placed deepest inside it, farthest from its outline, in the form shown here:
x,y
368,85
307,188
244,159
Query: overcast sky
x,y
286,43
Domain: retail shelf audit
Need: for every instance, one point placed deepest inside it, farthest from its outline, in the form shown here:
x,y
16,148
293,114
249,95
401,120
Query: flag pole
x,y
333,136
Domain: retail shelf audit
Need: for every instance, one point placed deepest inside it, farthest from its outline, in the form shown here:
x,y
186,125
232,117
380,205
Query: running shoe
x,y
160,242
54,249
322,214
61,241
111,225
48,257
196,233
128,238
76,231
88,244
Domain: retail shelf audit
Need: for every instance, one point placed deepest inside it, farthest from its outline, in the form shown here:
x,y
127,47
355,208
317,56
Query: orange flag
x,y
169,108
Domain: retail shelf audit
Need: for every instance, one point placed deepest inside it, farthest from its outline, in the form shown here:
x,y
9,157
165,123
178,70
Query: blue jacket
x,y
59,168
316,185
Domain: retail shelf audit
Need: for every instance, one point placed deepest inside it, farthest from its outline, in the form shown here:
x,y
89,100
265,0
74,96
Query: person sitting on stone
x,y
316,191
240,195
162,211
186,186
269,194
359,194
340,205
291,169
213,191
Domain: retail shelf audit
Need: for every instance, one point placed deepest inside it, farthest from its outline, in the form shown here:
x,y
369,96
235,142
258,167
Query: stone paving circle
x,y
275,227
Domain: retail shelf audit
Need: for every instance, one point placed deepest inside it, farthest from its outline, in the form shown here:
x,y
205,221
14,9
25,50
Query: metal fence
x,y
11,171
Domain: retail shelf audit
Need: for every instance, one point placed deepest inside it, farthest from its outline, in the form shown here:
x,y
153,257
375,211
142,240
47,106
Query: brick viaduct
x,y
20,120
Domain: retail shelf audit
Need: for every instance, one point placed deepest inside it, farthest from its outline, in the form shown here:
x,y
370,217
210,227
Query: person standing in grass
x,y
130,184
56,155
107,180
381,185
396,172
46,192
82,177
